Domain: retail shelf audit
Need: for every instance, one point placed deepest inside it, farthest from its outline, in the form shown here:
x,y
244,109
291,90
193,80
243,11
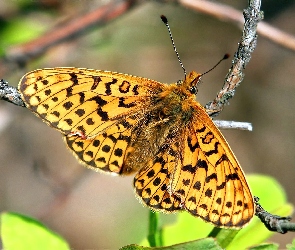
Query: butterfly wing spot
x,y
96,81
121,124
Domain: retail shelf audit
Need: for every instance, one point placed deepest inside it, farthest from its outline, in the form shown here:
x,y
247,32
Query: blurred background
x,y
40,177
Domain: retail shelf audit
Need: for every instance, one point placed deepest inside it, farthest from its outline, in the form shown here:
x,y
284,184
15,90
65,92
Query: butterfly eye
x,y
194,90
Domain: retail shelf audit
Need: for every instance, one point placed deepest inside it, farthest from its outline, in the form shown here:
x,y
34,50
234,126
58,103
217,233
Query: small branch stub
x,y
10,94
272,222
233,125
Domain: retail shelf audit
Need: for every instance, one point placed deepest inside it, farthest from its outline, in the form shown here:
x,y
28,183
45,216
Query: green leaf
x,y
291,246
273,199
186,229
202,244
10,32
266,246
22,232
224,236
269,190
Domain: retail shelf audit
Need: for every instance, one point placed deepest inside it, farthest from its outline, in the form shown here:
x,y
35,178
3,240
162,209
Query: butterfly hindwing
x,y
106,151
153,182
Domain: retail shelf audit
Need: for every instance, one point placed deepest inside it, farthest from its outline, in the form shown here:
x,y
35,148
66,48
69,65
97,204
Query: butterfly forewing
x,y
226,198
76,100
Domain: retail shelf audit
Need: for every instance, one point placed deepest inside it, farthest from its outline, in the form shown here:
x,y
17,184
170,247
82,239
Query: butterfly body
x,y
124,124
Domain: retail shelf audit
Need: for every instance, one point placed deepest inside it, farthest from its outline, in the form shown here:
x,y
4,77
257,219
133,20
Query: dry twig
x,y
227,13
68,30
272,222
246,46
102,15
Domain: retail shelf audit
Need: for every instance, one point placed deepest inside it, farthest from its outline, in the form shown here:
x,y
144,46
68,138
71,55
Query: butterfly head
x,y
192,81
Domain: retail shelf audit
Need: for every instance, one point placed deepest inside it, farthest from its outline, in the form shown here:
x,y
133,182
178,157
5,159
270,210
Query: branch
x,y
10,94
246,46
102,15
69,30
233,125
227,13
273,222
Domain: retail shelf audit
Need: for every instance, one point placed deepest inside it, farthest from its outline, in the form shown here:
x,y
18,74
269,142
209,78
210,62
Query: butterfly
x,y
124,124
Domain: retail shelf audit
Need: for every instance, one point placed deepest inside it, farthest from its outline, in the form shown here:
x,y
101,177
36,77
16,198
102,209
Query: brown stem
x,y
70,29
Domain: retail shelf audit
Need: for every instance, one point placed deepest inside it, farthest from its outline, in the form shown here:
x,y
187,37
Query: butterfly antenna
x,y
224,58
165,21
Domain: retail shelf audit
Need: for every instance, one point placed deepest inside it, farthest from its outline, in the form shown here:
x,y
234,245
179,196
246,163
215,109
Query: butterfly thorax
x,y
179,98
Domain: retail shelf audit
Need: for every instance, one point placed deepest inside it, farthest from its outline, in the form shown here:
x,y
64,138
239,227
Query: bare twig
x,y
228,13
68,30
246,46
233,125
10,94
102,15
273,222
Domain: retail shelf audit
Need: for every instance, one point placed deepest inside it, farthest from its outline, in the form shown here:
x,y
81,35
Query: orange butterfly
x,y
125,124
